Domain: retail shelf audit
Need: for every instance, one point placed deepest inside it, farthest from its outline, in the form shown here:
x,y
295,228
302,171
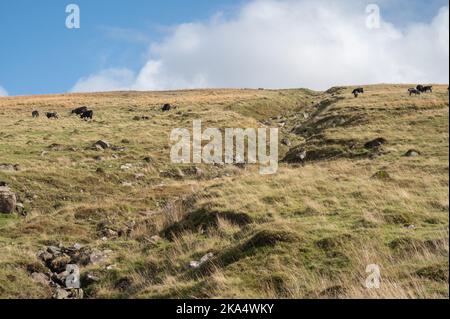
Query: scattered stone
x,y
127,184
286,141
98,257
40,278
119,148
9,167
111,267
8,201
90,279
376,143
203,260
126,167
61,294
412,153
101,145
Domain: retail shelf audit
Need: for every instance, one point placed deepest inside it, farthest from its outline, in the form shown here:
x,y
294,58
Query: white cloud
x,y
3,92
106,80
289,43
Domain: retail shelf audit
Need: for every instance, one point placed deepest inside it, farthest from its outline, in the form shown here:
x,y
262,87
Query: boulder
x,y
375,143
202,261
40,278
103,145
8,201
286,141
412,153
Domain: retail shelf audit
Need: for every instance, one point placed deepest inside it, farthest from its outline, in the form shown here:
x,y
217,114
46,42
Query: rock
x,y
9,167
194,264
90,279
55,251
61,294
3,184
127,184
8,201
412,153
286,141
76,293
98,257
203,260
40,278
375,143
126,167
103,145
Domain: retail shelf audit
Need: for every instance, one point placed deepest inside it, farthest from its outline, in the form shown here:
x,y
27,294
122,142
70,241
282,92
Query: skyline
x,y
177,45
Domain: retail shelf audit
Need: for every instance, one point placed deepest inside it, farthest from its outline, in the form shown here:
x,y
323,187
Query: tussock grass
x,y
308,231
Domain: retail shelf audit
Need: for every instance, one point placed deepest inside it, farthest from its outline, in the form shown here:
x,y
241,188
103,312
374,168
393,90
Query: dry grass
x,y
310,230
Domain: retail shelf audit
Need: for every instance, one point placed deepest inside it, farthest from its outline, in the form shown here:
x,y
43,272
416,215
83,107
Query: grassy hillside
x,y
308,231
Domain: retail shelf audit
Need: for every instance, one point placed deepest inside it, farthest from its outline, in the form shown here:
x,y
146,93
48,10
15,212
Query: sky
x,y
178,44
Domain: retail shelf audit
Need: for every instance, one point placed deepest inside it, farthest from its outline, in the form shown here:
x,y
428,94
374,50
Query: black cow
x,y
413,91
35,114
80,110
428,89
425,89
357,91
87,115
52,115
166,107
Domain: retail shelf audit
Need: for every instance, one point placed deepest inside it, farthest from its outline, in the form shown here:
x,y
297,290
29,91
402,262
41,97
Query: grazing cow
x,y
80,110
413,91
428,89
52,115
357,91
425,89
166,107
35,114
87,115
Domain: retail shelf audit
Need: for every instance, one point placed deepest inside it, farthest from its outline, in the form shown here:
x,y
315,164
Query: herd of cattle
x,y
420,89
417,90
84,113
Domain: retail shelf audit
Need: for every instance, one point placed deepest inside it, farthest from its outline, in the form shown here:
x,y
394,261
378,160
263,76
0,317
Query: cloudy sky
x,y
176,44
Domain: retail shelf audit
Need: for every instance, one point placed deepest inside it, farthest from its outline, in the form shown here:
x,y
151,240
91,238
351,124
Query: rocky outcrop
x,y
8,200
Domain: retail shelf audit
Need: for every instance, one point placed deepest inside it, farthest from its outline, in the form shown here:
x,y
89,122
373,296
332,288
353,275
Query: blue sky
x,y
38,55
